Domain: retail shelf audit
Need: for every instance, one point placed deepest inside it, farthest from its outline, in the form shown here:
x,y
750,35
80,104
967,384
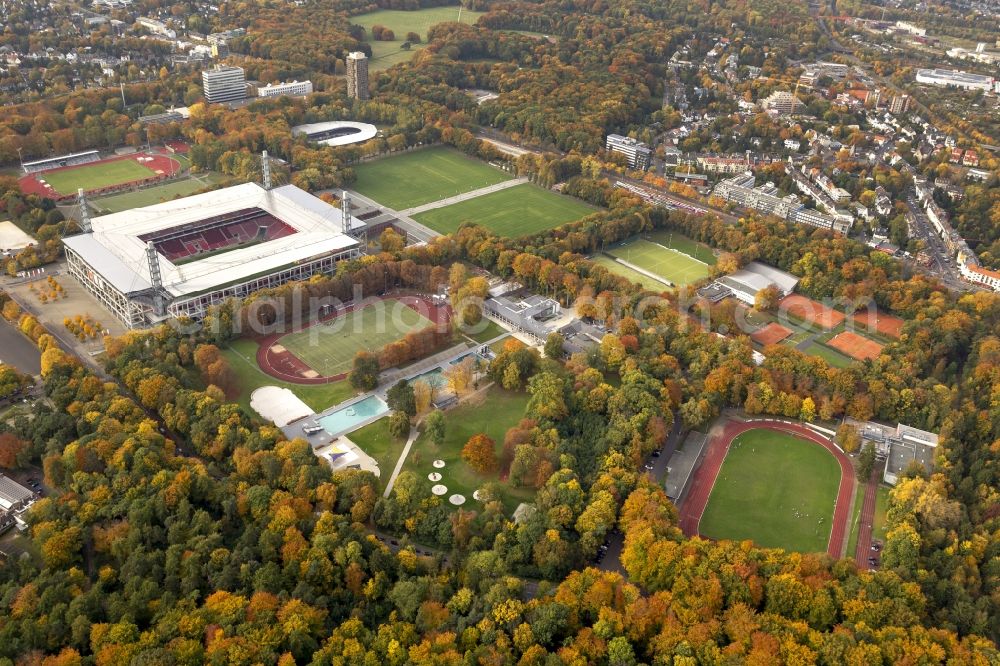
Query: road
x,y
943,267
616,540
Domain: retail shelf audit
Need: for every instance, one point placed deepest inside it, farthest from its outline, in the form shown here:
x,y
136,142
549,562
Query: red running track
x,y
289,368
704,478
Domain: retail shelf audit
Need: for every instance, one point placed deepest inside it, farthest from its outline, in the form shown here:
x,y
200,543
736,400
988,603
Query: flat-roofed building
x,y
955,78
224,84
291,89
357,75
638,154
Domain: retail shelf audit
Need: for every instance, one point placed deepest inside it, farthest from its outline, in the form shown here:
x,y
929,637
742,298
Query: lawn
x,y
242,355
492,414
628,273
831,356
387,54
421,176
670,264
682,243
149,196
775,489
491,330
329,348
859,499
95,176
881,506
375,440
514,212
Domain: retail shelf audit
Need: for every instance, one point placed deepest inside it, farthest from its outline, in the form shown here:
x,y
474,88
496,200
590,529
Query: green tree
x,y
434,427
554,345
401,398
364,373
399,425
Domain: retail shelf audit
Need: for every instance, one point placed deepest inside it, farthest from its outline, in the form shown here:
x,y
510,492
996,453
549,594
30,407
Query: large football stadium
x,y
178,258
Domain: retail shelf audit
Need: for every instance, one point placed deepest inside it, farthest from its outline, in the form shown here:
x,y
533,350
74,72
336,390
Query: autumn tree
x,y
766,300
480,453
364,373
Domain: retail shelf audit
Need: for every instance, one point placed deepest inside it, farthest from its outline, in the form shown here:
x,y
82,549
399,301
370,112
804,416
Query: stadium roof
x,y
354,132
115,249
756,276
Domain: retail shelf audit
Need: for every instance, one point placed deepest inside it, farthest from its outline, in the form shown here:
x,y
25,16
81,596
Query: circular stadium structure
x,y
337,132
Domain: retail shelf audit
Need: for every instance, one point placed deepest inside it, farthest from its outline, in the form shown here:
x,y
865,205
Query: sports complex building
x,y
337,132
178,258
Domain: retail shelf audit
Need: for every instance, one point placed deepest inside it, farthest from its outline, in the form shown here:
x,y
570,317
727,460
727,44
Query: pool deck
x,y
323,438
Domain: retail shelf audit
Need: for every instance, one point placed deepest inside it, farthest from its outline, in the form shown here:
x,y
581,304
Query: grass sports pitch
x,y
329,347
95,176
628,273
422,176
513,212
657,258
775,489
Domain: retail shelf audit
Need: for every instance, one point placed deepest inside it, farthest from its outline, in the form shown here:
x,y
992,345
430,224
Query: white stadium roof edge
x,y
363,132
116,251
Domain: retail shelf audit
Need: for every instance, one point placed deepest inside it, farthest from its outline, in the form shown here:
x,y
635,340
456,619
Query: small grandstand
x,y
72,159
179,258
337,132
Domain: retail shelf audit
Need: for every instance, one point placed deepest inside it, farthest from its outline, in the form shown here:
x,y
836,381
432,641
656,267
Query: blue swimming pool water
x,y
344,419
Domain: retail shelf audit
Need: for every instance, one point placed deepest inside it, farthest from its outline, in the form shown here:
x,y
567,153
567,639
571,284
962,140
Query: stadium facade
x,y
177,259
337,132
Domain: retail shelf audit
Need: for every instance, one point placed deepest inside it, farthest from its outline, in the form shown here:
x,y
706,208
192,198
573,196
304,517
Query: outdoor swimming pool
x,y
434,378
344,419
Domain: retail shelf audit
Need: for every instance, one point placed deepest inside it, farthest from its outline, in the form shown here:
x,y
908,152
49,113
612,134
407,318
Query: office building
x,y
224,84
639,155
292,89
357,75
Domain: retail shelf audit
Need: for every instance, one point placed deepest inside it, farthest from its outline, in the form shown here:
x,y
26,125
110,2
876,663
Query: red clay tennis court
x,y
880,322
771,334
810,311
856,346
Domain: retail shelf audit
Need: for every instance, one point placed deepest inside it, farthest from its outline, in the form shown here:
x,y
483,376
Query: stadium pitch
x,y
775,489
668,263
329,347
421,176
96,175
513,212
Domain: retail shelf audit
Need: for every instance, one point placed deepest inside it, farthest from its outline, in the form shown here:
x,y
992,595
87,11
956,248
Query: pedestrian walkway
x,y
458,198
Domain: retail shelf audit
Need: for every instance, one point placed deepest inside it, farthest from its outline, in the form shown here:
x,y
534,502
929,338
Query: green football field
x,y
628,273
775,489
95,176
682,243
422,176
329,348
657,258
148,196
513,212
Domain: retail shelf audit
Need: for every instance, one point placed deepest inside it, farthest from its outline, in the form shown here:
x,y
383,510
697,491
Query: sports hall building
x,y
176,259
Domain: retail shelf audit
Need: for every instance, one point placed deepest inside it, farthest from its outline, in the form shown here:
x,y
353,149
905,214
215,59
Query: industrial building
x,y
638,154
357,75
179,258
224,84
956,78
